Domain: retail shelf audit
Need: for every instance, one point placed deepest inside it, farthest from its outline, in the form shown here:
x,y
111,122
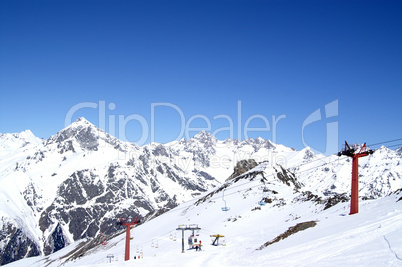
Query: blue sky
x,y
206,58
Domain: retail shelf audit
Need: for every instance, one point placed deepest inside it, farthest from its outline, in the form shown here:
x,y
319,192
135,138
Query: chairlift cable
x,y
248,187
233,187
398,145
385,142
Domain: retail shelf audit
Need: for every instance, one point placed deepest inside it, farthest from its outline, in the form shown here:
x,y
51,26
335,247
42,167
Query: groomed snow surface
x,y
373,237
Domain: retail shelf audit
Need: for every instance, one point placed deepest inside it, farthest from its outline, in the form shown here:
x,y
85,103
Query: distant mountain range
x,y
77,183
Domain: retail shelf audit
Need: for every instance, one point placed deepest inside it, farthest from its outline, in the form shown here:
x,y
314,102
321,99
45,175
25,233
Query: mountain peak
x,y
87,135
81,121
259,139
81,130
203,136
79,124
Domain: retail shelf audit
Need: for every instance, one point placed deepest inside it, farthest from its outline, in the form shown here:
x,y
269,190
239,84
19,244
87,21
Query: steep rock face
x,y
87,204
16,244
56,240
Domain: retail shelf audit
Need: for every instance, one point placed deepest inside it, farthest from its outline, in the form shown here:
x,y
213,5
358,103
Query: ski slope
x,y
373,237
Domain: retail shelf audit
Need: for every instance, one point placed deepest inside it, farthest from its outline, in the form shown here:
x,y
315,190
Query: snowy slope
x,y
373,237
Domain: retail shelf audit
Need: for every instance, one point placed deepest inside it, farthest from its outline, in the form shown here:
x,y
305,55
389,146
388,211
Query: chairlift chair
x,y
224,242
223,198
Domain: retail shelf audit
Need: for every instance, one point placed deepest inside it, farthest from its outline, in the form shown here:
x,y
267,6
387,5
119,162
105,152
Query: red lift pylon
x,y
128,226
350,152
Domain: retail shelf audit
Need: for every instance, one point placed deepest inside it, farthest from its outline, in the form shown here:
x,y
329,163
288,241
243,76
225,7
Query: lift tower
x,y
128,226
351,152
182,228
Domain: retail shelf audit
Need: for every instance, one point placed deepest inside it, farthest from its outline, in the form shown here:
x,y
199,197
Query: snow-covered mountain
x,y
10,143
294,227
78,182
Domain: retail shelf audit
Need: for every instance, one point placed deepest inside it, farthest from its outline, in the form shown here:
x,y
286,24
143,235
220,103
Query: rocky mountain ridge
x,y
76,184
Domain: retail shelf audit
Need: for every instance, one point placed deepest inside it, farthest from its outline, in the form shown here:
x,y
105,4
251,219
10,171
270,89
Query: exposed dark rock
x,y
160,151
287,177
335,199
242,167
18,247
56,241
159,169
204,175
291,231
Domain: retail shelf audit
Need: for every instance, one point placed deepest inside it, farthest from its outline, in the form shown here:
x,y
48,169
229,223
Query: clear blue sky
x,y
275,57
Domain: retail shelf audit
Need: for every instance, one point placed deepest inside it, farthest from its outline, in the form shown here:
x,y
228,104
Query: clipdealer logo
x,y
234,126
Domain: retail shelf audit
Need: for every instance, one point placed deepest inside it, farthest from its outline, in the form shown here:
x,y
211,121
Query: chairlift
x,y
265,190
223,198
170,236
156,245
152,245
137,250
174,237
